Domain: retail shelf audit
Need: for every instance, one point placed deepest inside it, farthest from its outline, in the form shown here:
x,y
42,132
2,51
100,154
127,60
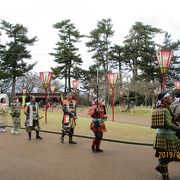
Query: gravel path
x,y
48,159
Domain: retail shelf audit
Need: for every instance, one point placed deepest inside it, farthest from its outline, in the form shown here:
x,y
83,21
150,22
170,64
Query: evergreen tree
x,y
117,59
100,43
66,53
139,49
12,64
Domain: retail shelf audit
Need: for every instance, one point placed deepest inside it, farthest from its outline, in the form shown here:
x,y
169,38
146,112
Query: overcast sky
x,y
39,16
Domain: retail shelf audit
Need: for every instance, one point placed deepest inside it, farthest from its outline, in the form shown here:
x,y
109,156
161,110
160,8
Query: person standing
x,y
175,107
167,144
69,118
4,107
15,113
97,112
32,117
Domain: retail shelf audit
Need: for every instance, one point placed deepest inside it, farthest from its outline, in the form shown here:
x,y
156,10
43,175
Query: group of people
x,y
15,113
165,119
31,109
97,112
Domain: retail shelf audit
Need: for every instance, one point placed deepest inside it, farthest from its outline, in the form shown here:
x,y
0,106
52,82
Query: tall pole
x,y
163,82
52,101
45,78
112,77
112,104
97,86
52,89
46,105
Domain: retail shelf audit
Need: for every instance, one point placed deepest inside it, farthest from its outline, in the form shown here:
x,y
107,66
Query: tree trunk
x,y
65,87
13,87
120,74
69,79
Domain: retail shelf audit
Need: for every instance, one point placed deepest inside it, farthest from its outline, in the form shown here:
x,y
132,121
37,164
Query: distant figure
x,y
167,144
175,107
97,112
32,117
4,107
15,113
69,118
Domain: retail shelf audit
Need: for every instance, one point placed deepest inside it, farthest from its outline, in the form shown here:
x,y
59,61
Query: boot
x,y
71,141
93,148
98,145
163,170
98,149
29,135
62,139
37,135
62,136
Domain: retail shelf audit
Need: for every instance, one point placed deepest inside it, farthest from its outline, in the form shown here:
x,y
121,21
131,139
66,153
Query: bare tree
x,y
31,81
5,85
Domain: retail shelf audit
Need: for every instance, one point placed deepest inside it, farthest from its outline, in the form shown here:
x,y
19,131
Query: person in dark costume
x,y
166,143
32,117
97,112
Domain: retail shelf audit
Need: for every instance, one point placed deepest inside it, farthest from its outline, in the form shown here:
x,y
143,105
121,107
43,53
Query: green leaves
x,y
66,52
100,41
15,51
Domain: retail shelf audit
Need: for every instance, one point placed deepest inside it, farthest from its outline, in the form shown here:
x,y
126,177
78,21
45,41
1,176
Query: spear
x,y
97,87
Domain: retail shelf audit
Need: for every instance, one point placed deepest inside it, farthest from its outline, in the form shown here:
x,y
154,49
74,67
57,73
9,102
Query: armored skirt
x,y
166,140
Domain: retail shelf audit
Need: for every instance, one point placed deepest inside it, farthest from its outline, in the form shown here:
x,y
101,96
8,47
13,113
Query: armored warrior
x,y
175,107
69,118
167,144
32,117
97,112
15,113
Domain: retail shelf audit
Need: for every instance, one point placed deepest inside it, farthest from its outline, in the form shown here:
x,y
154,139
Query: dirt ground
x,y
48,159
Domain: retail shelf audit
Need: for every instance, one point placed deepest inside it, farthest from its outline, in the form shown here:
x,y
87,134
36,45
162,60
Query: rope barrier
x,y
104,139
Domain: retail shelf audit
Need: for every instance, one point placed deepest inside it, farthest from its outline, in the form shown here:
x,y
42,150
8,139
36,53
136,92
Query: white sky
x,y
39,16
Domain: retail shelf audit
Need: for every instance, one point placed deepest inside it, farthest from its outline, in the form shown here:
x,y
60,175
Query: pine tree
x,y
140,50
66,53
12,64
100,43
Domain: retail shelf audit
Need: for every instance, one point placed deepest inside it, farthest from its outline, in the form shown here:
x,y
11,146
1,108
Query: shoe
x,y
72,142
166,178
12,131
3,130
158,168
98,150
16,132
93,149
62,139
29,138
39,137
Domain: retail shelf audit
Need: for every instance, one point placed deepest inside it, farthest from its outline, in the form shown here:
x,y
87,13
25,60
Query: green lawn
x,y
115,130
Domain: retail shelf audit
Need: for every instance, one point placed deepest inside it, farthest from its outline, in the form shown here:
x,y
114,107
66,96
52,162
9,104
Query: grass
x,y
115,130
